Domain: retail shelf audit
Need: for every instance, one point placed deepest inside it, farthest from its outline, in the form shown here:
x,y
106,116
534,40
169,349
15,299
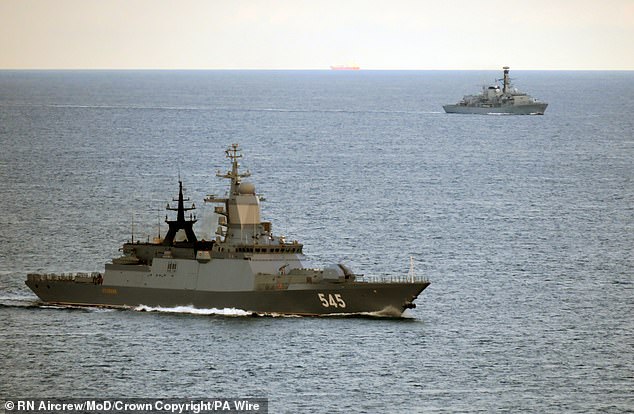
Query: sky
x,y
302,34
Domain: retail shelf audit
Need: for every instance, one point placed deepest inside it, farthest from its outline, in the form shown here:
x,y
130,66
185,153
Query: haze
x,y
296,34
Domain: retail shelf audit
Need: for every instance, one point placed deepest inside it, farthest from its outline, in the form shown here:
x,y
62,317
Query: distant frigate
x,y
496,100
245,267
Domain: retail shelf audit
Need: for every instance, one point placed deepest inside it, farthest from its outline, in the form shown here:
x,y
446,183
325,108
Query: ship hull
x,y
352,298
532,109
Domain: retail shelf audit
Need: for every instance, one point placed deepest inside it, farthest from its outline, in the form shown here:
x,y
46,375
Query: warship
x,y
245,267
493,100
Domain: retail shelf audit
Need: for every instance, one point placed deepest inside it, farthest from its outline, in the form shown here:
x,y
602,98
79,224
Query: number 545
x,y
336,301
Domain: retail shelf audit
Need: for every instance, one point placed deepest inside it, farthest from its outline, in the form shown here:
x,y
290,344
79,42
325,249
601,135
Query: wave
x,y
384,314
194,311
223,109
34,303
92,309
233,312
19,302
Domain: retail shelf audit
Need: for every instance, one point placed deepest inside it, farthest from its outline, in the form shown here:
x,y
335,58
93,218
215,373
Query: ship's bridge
x,y
244,208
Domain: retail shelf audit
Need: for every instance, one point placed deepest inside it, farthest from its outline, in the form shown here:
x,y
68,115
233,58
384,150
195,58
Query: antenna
x,y
411,275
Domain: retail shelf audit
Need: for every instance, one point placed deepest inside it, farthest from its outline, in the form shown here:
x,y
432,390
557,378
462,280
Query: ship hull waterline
x,y
359,298
536,109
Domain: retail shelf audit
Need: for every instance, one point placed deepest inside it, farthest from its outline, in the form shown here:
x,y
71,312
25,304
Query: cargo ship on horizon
x,y
345,67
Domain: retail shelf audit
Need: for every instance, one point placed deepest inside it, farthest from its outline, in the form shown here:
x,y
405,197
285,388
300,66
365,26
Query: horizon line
x,y
316,69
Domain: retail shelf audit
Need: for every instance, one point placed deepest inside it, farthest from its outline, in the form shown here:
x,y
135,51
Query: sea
x,y
523,224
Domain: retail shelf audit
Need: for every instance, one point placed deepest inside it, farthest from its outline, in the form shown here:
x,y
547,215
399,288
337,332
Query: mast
x,y
233,153
507,80
180,223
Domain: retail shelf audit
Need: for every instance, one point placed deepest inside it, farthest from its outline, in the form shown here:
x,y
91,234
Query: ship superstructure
x,y
245,267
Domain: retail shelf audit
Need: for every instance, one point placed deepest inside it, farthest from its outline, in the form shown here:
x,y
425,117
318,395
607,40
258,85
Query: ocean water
x,y
523,224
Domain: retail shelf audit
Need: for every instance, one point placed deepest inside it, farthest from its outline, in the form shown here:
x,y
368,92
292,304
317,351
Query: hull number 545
x,y
331,301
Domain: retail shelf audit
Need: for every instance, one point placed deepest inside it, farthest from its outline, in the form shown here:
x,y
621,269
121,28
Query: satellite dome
x,y
246,188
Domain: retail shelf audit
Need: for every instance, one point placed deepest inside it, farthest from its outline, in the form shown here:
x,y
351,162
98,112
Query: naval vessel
x,y
245,267
496,100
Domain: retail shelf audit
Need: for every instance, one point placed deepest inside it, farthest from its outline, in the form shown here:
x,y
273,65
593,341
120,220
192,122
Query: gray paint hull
x,y
533,109
351,298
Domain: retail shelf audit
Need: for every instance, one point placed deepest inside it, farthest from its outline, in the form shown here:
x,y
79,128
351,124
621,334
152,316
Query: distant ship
x,y
493,100
345,67
245,267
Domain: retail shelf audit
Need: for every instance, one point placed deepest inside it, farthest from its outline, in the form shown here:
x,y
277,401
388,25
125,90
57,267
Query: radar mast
x,y
233,153
180,223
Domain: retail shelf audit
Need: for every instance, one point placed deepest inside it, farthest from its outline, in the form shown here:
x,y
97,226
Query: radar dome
x,y
246,188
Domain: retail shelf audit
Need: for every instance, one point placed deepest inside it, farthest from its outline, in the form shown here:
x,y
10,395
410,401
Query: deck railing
x,y
77,276
394,279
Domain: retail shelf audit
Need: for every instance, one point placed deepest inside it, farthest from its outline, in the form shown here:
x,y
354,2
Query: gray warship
x,y
245,267
493,100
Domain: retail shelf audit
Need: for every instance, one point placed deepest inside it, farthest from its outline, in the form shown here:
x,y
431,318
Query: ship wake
x,y
233,312
194,311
